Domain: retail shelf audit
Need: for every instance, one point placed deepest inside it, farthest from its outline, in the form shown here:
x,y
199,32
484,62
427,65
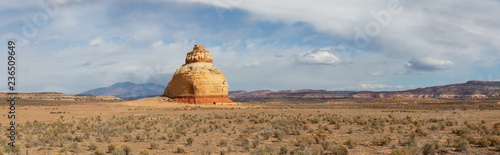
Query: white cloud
x,y
157,44
463,29
318,58
96,42
428,64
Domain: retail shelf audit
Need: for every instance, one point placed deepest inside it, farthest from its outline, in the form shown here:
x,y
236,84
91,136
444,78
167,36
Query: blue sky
x,y
73,46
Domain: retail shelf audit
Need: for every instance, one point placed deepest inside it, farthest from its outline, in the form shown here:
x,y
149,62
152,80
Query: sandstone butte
x,y
198,81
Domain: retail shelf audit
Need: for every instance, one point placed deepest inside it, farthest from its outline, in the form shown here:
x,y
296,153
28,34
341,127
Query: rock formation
x,y
198,81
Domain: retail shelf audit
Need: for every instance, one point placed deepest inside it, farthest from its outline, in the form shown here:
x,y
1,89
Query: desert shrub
x,y
246,147
154,145
400,129
392,128
340,150
144,152
451,122
382,141
128,138
74,147
180,149
9,149
441,125
284,149
496,126
421,132
314,120
127,149
172,140
255,142
470,125
163,137
303,141
462,145
92,146
411,142
338,126
462,131
431,149
118,152
99,152
279,134
206,152
298,151
266,150
62,150
400,152
492,139
140,138
223,142
351,143
111,147
78,138
484,142
350,131
208,142
325,144
190,140
469,138
244,139
434,127
321,134
224,152
266,135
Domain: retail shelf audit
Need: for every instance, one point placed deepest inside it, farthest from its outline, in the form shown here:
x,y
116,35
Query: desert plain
x,y
159,125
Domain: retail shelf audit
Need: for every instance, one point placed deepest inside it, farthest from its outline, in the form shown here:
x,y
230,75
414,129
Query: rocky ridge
x,y
468,90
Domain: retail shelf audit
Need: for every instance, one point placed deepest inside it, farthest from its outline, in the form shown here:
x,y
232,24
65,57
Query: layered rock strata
x,y
198,81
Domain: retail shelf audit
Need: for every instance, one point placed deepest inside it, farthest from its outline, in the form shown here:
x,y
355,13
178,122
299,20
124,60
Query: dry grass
x,y
267,128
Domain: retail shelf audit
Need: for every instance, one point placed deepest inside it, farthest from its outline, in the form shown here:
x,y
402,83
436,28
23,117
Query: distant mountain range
x,y
468,90
128,90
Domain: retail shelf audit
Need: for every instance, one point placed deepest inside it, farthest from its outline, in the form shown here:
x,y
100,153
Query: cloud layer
x,y
332,45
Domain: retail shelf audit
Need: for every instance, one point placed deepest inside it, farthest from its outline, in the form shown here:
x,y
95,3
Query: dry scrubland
x,y
157,126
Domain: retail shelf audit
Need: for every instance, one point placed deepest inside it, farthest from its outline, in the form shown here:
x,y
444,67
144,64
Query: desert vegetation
x,y
269,128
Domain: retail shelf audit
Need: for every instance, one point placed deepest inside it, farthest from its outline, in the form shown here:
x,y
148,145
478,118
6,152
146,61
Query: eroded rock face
x,y
199,54
198,81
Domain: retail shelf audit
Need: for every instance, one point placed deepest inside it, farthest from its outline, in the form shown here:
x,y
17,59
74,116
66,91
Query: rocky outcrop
x,y
198,81
199,54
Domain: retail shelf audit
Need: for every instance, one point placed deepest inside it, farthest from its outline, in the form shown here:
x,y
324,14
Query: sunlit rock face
x,y
198,81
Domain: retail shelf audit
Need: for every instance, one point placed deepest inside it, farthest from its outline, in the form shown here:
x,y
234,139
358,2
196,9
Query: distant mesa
x,y
60,96
468,90
128,90
198,81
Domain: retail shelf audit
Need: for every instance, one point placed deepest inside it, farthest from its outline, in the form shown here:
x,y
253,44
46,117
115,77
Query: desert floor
x,y
159,126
